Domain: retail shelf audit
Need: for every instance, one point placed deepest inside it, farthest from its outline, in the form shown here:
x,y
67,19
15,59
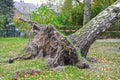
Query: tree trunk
x,y
84,37
87,11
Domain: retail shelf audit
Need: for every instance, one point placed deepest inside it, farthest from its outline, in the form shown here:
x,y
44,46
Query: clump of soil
x,y
24,73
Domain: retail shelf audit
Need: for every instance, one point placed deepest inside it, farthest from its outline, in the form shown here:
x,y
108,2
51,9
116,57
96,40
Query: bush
x,y
43,16
77,15
112,34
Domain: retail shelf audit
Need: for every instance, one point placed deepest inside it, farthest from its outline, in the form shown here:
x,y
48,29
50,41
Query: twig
x,y
35,26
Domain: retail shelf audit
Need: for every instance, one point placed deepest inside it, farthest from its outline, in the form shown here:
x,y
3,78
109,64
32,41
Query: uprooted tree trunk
x,y
84,37
61,50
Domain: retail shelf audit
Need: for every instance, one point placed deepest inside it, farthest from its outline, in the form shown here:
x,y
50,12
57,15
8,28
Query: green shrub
x,y
77,15
112,34
43,16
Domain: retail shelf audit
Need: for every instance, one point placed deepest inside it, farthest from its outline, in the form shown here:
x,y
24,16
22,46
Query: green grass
x,y
106,67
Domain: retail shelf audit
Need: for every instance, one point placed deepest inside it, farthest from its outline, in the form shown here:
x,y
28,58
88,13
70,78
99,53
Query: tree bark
x,y
84,37
87,11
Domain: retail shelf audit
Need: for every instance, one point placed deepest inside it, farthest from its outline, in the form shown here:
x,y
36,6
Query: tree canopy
x,y
6,11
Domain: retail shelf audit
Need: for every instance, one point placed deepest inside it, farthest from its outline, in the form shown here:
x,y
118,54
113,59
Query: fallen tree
x,y
60,50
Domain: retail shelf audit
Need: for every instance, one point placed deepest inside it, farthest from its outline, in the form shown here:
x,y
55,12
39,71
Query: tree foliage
x,y
23,27
77,15
6,11
43,16
1,21
46,16
71,14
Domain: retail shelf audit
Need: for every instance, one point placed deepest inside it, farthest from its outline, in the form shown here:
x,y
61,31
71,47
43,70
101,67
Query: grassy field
x,y
105,56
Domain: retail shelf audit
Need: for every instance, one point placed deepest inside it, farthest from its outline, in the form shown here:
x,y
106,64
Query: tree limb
x,y
35,26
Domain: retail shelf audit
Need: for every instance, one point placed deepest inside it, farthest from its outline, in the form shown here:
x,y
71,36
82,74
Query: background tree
x,y
66,10
77,14
87,11
1,21
6,12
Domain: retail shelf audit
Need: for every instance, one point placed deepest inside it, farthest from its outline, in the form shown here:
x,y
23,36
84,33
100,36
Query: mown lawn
x,y
105,57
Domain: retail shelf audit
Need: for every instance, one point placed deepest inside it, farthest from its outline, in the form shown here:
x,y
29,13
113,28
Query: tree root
x,y
23,57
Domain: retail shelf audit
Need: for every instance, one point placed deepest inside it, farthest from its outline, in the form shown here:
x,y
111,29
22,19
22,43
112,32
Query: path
x,y
108,40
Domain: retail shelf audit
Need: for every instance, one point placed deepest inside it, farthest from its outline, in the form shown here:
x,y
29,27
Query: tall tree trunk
x,y
84,37
87,11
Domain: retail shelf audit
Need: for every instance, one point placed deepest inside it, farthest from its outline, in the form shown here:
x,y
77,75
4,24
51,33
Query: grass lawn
x,y
106,63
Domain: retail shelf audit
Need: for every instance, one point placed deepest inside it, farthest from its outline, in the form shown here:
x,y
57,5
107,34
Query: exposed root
x,y
23,57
